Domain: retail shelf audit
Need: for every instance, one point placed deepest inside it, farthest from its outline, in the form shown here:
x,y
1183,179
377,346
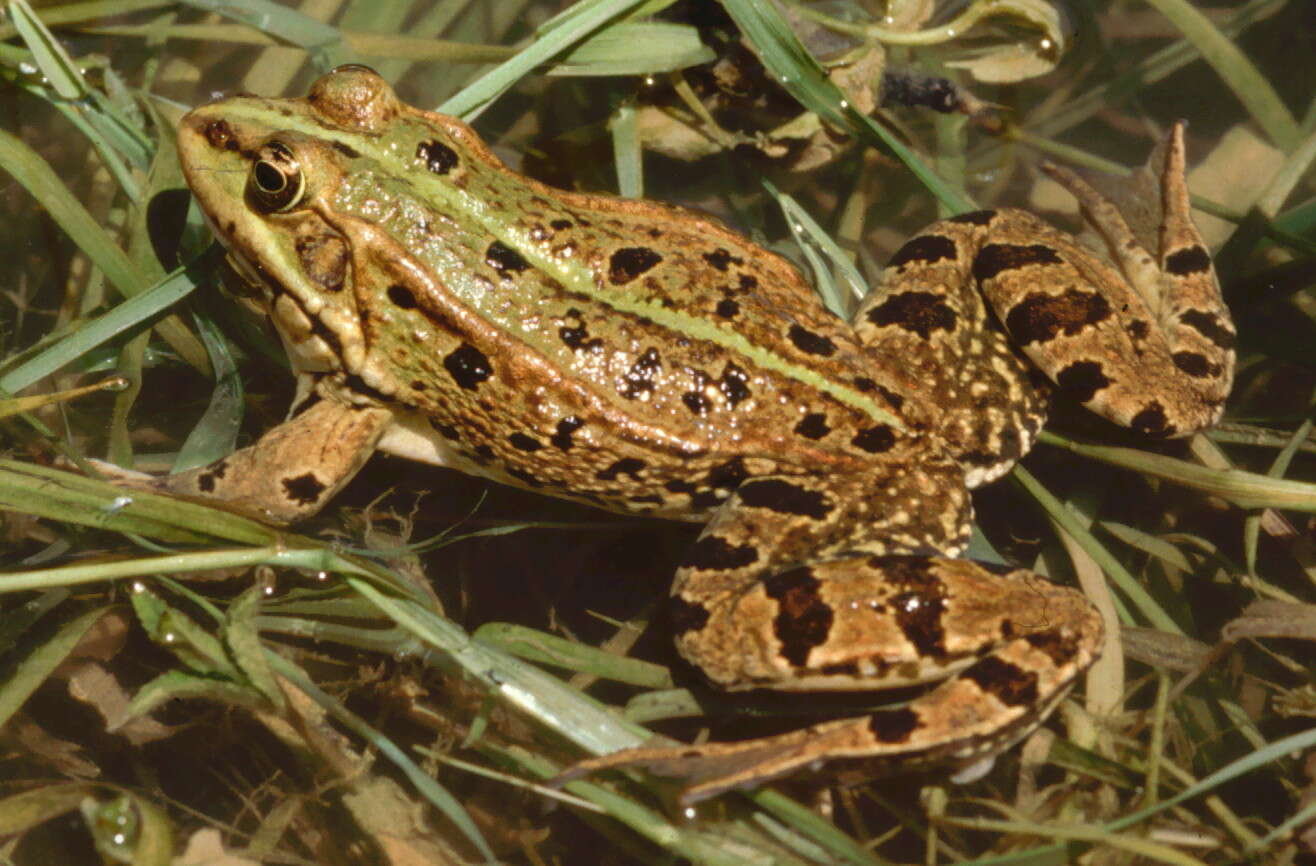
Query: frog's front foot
x,y
287,475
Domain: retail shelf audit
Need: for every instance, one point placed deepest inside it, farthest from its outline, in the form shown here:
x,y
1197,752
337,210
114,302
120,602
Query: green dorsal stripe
x,y
572,274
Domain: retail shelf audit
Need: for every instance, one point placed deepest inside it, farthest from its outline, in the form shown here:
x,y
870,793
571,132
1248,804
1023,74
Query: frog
x,y
646,359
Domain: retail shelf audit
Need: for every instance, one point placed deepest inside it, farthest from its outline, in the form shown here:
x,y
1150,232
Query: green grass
x,y
308,694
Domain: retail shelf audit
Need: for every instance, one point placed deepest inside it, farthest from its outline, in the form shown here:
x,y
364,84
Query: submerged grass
x,y
317,691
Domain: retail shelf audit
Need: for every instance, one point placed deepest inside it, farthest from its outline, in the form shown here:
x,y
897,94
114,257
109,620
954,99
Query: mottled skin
x,y
646,359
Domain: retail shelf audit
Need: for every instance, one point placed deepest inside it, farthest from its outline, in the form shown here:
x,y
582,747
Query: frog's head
x,y
267,173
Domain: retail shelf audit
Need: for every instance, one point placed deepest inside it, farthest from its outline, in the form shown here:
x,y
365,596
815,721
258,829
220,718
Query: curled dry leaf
x,y
1273,619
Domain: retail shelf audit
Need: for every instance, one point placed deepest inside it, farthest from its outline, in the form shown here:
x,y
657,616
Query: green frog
x,y
645,359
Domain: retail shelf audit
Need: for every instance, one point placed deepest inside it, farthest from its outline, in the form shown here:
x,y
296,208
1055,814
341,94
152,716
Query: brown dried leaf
x,y
1272,619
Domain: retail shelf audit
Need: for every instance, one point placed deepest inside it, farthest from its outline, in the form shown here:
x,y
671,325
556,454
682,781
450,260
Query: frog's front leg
x,y
290,472
848,584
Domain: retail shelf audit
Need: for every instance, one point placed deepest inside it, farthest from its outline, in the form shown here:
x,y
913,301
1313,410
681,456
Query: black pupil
x,y
268,178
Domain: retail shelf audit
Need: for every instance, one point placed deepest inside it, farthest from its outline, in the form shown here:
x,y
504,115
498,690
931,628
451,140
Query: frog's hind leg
x,y
881,605
1147,343
1012,645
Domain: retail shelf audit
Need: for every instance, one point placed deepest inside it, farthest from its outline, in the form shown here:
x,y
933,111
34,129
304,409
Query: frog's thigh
x,y
294,469
1019,644
883,613
1019,641
926,318
759,599
869,622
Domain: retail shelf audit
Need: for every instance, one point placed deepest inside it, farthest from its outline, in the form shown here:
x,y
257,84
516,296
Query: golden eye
x,y
276,183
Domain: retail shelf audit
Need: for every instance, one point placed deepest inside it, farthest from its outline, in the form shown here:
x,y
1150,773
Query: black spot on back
x,y
727,308
919,604
577,337
505,260
639,378
810,343
437,156
628,263
468,366
734,384
401,297
721,259
631,466
524,442
561,439
813,426
697,402
728,475
875,439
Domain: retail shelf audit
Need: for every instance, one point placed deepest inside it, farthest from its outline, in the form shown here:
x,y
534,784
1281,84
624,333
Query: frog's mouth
x,y
252,284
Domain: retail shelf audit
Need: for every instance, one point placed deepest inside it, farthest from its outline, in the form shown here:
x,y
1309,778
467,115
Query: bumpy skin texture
x,y
645,359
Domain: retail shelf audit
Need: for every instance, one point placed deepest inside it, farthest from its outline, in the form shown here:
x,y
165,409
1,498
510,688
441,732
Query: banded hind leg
x,y
807,584
1134,328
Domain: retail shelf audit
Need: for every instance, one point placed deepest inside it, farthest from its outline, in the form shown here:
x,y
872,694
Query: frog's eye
x,y
276,183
